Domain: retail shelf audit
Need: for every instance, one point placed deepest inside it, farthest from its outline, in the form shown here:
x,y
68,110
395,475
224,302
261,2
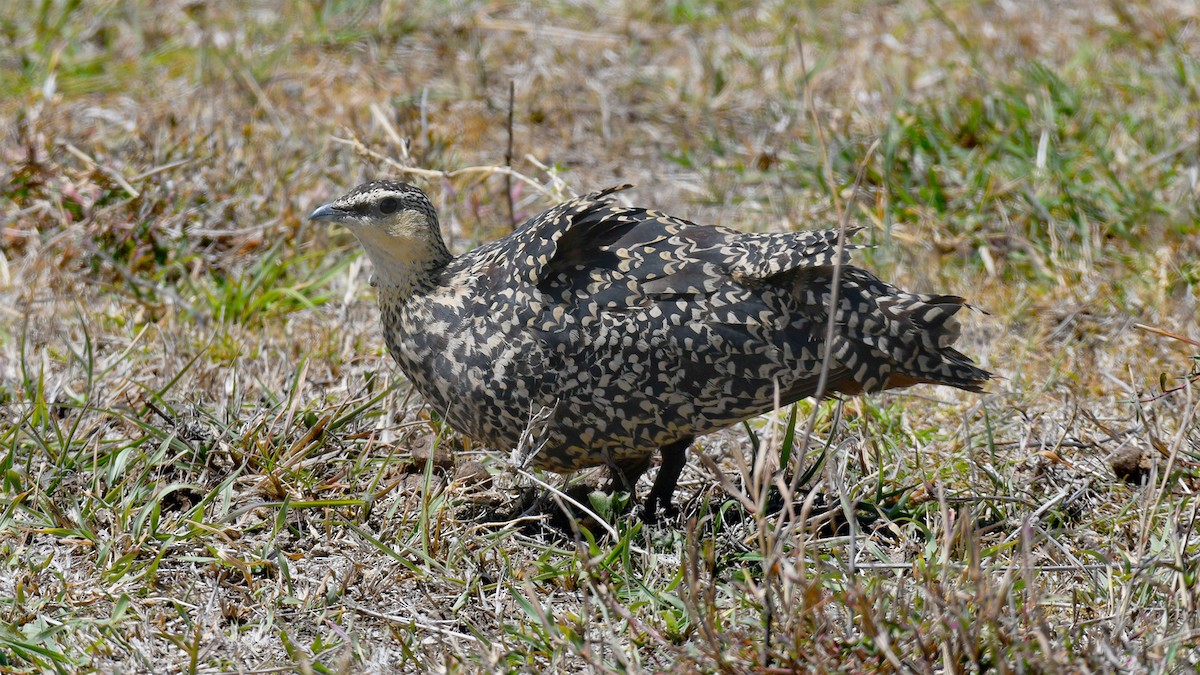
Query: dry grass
x,y
207,456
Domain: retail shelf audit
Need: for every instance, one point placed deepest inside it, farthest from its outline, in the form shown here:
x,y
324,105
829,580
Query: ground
x,y
210,464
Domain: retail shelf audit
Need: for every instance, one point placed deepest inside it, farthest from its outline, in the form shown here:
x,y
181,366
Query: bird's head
x,y
396,225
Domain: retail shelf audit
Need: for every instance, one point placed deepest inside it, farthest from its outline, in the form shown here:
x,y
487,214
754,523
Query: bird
x,y
597,334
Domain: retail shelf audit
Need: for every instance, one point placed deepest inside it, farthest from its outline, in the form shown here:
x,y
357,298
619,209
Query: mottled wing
x,y
691,315
541,239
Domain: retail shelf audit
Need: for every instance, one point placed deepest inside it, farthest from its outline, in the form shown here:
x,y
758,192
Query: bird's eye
x,y
388,205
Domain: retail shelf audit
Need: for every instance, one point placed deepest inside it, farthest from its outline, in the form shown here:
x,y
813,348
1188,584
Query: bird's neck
x,y
403,265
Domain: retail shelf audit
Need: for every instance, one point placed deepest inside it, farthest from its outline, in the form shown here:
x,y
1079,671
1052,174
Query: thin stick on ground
x,y
362,149
508,157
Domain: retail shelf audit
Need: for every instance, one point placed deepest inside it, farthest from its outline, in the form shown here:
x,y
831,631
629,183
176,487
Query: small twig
x,y
560,189
161,168
381,118
508,156
488,23
107,170
362,149
1167,333
407,621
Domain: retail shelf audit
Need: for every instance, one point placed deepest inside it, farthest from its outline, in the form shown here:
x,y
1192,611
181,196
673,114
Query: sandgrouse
x,y
606,332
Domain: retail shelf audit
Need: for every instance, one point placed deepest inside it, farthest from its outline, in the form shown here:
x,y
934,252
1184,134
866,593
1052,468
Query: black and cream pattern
x,y
624,330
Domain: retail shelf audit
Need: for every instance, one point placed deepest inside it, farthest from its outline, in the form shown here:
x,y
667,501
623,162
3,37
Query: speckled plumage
x,y
617,331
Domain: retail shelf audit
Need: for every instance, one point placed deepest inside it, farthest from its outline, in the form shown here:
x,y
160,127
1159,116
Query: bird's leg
x,y
624,475
674,457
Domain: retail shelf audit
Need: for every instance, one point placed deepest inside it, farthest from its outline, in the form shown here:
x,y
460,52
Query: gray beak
x,y
328,213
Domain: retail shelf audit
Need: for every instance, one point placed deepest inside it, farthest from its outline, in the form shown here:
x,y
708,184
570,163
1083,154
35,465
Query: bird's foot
x,y
654,505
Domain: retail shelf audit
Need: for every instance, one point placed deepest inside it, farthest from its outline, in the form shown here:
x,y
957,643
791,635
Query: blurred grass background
x,y
210,464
